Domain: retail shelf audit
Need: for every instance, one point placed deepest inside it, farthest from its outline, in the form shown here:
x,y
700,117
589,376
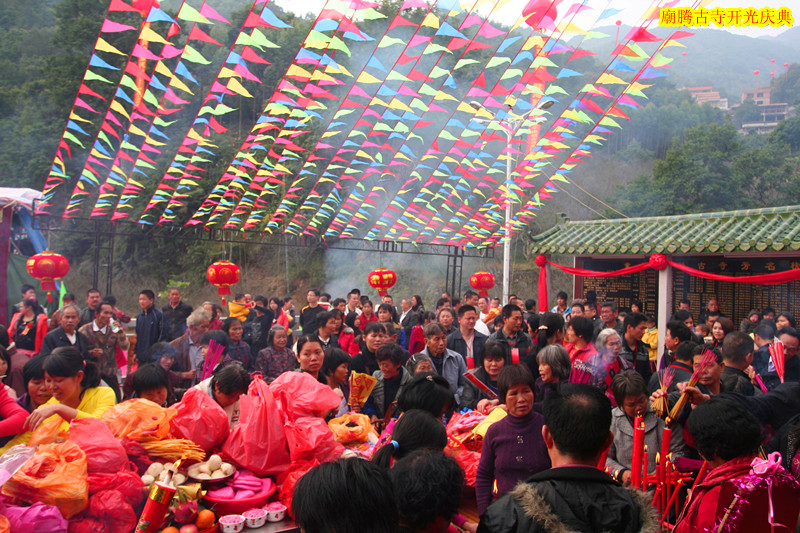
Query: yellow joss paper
x,y
361,386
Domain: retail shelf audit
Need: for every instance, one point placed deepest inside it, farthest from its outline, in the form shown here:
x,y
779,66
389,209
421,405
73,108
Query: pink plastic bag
x,y
299,394
38,518
311,438
104,452
258,442
201,420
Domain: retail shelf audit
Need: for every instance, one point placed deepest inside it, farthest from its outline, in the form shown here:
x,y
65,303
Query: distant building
x,y
771,114
759,96
707,95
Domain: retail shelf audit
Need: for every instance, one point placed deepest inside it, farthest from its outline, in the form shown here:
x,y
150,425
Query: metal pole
x,y
507,236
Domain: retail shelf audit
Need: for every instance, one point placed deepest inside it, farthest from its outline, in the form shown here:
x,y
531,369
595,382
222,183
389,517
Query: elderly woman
x,y
554,368
607,363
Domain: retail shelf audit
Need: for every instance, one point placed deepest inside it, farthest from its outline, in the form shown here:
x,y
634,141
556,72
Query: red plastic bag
x,y
201,420
139,419
110,507
104,452
311,438
288,480
258,442
127,482
467,460
137,455
56,475
299,394
86,525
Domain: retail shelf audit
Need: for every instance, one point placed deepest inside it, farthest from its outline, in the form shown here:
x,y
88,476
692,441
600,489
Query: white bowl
x,y
234,525
275,512
258,520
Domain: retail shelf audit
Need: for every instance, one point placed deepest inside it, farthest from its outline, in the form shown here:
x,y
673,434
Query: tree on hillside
x,y
747,112
694,176
786,88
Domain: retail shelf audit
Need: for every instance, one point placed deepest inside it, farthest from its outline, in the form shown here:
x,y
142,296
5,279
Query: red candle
x,y
638,452
155,508
666,438
644,469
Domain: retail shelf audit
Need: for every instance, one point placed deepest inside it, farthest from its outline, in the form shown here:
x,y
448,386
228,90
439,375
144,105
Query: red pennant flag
x,y
481,80
249,55
134,70
641,35
199,35
580,53
119,5
86,90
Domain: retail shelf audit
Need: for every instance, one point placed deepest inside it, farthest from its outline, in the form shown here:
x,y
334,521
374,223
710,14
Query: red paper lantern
x,y
482,281
47,267
382,279
223,274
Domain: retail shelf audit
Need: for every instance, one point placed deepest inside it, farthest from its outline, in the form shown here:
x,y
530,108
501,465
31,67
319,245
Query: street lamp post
x,y
511,126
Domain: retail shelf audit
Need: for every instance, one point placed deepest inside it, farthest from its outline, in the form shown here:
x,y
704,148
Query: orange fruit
x,y
170,529
205,519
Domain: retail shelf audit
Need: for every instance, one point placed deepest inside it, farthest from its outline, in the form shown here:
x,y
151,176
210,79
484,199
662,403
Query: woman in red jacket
x,y
741,492
27,331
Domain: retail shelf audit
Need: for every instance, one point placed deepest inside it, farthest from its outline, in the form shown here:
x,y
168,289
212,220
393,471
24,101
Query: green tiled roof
x,y
753,230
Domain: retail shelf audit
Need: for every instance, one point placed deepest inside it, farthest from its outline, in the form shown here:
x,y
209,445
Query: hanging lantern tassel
x,y
223,274
47,267
382,279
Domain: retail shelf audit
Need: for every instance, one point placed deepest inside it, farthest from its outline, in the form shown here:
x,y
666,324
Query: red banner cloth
x,y
657,262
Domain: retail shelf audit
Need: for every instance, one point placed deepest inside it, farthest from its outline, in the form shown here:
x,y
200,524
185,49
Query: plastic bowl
x,y
223,507
254,518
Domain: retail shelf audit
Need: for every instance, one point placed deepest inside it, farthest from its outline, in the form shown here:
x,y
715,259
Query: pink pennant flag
x,y
141,51
80,103
169,51
209,12
489,31
109,26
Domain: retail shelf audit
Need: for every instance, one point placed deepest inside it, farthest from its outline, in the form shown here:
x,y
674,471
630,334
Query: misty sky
x,y
632,10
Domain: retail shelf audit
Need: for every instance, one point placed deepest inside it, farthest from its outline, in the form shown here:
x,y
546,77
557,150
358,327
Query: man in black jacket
x,y
466,340
574,495
633,349
66,334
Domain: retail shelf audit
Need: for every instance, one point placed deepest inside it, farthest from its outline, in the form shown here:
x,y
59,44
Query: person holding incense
x,y
630,392
607,363
491,359
513,448
745,492
226,385
737,353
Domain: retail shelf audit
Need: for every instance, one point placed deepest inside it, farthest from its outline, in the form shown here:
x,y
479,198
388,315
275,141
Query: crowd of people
x,y
569,383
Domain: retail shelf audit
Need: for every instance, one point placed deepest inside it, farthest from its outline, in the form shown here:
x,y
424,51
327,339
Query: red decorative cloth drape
x,y
657,262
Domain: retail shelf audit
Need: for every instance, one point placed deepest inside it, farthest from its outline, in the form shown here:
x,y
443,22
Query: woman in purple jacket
x,y
513,449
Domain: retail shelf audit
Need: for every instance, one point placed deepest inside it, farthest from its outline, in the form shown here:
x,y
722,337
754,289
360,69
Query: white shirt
x,y
481,327
96,328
